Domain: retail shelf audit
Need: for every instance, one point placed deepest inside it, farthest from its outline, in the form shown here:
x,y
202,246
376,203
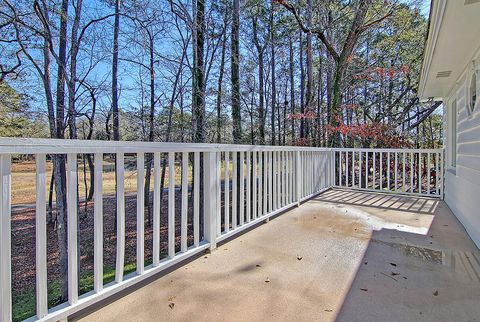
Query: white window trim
x,y
451,144
473,70
476,106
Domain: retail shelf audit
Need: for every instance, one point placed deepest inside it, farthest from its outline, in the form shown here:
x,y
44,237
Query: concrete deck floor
x,y
345,255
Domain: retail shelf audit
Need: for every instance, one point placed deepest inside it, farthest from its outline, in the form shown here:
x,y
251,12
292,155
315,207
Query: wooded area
x,y
278,72
309,72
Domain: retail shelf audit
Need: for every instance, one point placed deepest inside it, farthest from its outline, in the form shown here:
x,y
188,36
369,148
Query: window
x,y
453,135
473,91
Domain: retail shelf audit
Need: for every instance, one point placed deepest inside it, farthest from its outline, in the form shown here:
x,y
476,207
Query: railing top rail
x,y
388,150
59,146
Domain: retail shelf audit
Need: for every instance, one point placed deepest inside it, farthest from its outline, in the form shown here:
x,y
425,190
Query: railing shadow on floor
x,y
385,201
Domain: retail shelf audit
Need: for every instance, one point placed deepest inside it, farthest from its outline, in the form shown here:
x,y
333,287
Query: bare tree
x,y
357,27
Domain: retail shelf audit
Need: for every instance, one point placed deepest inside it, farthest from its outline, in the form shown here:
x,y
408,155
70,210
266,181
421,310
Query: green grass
x,y
24,302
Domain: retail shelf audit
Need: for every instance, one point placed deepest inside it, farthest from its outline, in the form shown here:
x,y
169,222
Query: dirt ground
x,y
23,240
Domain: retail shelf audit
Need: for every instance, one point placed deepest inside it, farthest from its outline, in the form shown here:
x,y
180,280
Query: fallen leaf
x,y
267,280
364,289
171,305
435,293
299,258
171,298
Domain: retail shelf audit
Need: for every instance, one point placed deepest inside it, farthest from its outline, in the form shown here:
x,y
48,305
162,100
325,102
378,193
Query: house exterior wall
x,y
462,177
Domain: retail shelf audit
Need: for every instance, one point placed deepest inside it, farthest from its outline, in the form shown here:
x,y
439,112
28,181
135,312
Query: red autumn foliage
x,y
302,142
381,72
377,133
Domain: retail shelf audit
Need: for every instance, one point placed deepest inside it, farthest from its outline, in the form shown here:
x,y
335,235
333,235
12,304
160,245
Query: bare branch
x,y
305,29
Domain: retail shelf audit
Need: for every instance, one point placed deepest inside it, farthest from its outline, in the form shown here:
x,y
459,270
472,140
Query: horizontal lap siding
x,y
462,186
468,138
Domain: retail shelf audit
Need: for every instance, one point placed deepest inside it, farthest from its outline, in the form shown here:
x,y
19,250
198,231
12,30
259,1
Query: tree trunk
x,y
115,115
235,78
220,83
115,109
273,64
302,89
261,82
72,82
198,108
336,103
59,160
151,133
292,86
309,94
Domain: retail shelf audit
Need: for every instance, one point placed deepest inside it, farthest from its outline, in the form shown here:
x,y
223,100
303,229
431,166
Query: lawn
x,y
24,302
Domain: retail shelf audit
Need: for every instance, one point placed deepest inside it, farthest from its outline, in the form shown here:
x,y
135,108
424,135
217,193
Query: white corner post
x,y
5,239
298,176
72,238
333,167
210,196
442,174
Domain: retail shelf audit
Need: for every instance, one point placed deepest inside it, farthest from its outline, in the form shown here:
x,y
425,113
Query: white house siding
x,y
462,183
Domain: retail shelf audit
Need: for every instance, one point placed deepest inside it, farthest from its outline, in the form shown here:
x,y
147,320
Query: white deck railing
x,y
401,171
258,182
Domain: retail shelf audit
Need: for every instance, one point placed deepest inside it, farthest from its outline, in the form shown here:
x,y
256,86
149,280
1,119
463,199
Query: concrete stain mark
x,y
330,222
466,263
425,254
